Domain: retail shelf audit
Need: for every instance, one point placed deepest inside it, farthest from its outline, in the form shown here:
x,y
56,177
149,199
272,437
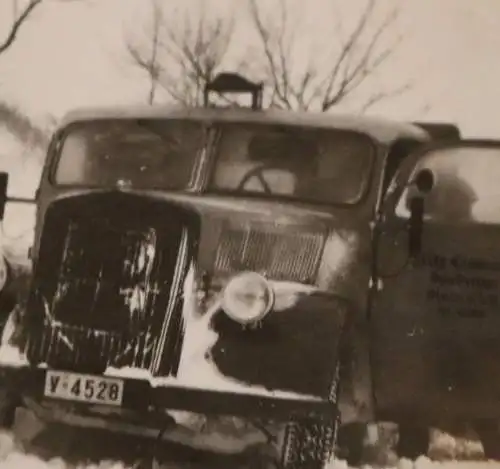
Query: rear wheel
x,y
413,441
351,443
8,406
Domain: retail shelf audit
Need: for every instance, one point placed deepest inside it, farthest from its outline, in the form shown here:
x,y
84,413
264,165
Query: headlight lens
x,y
247,297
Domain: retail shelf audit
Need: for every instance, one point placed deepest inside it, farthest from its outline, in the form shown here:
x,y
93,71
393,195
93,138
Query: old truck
x,y
283,277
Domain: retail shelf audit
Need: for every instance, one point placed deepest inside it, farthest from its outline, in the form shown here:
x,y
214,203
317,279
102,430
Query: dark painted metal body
x,y
319,257
145,404
439,362
292,350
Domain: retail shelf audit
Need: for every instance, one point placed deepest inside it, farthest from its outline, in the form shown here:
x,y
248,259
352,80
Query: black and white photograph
x,y
249,234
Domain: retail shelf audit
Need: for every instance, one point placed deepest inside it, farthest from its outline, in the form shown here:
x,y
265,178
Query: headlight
x,y
247,297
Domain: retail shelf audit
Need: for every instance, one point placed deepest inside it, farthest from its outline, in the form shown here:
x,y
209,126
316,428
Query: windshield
x,y
317,165
466,185
144,153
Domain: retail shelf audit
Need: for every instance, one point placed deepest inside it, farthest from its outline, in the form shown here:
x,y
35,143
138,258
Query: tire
x,y
351,443
413,441
309,444
489,434
8,406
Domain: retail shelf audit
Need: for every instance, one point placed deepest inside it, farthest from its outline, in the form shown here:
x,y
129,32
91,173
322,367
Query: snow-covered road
x,y
62,448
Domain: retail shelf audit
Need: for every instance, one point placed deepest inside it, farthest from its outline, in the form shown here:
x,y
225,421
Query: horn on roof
x,y
440,130
227,82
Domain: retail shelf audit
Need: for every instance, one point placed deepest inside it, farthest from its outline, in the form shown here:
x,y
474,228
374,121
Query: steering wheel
x,y
256,173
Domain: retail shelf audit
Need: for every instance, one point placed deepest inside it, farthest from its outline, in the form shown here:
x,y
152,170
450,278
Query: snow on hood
x,y
196,369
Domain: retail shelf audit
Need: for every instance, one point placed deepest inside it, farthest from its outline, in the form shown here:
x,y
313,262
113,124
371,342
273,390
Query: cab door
x,y
436,314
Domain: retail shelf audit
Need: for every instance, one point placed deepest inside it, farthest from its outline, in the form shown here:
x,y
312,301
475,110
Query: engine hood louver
x,y
289,253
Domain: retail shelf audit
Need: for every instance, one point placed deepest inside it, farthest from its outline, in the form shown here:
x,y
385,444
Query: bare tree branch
x,y
185,52
20,20
11,118
312,84
367,65
181,53
274,47
154,71
145,61
331,97
382,95
22,127
21,16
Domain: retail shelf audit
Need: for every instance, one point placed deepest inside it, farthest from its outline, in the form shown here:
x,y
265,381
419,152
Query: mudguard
x,y
295,348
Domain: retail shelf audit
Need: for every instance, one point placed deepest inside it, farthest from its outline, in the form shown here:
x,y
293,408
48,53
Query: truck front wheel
x,y
489,434
8,406
351,441
413,441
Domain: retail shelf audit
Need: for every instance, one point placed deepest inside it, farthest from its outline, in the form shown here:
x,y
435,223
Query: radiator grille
x,y
79,348
282,253
104,290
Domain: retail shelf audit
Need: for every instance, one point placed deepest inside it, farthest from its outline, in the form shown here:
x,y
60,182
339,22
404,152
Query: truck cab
x,y
253,268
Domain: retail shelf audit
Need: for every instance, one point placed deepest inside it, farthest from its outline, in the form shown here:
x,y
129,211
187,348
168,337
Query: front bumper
x,y
139,396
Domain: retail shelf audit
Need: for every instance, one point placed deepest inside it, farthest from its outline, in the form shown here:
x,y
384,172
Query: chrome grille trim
x,y
175,289
280,252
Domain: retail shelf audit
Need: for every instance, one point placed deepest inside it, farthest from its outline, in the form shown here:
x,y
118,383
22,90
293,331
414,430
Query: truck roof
x,y
381,129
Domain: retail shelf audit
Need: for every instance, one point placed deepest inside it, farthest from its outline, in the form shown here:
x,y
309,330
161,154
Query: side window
x,y
466,186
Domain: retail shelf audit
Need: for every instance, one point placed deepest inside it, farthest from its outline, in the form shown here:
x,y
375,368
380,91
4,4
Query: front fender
x,y
15,253
16,287
295,348
13,296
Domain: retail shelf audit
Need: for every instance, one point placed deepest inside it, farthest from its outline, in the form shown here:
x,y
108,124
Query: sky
x,y
71,54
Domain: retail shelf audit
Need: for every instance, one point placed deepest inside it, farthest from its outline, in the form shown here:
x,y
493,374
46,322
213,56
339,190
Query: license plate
x,y
83,388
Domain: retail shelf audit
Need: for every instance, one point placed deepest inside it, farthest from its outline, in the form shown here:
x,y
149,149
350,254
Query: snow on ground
x,y
12,456
18,450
